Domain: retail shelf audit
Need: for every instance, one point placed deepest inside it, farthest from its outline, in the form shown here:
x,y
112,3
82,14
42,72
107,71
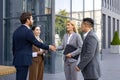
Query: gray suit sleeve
x,y
79,46
90,46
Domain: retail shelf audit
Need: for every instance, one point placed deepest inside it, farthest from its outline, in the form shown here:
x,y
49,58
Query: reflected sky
x,y
77,5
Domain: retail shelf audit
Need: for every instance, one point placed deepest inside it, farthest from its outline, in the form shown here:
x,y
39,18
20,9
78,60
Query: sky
x,y
77,5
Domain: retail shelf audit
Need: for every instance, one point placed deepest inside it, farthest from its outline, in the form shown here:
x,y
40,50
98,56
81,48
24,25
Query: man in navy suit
x,y
23,39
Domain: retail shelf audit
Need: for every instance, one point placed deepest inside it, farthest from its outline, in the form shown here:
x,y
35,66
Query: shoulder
x,y
77,35
65,35
92,35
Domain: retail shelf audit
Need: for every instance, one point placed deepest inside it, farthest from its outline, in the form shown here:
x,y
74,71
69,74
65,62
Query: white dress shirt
x,y
85,35
69,38
34,54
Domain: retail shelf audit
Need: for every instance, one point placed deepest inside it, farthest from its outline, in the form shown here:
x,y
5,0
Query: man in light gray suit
x,y
90,56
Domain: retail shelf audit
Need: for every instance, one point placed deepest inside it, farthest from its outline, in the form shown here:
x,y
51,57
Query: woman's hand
x,y
69,55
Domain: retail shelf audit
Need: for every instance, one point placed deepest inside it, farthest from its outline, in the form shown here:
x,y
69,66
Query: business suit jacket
x,y
23,39
75,41
90,57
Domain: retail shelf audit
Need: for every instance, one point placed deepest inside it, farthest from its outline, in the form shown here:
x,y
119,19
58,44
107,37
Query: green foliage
x,y
116,40
60,23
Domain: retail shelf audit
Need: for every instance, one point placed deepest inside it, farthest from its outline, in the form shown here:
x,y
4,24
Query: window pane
x,y
77,9
62,5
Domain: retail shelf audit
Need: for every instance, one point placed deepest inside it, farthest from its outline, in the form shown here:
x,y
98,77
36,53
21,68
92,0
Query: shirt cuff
x,y
34,54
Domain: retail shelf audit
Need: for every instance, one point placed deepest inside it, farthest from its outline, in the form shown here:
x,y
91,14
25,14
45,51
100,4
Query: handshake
x,y
52,47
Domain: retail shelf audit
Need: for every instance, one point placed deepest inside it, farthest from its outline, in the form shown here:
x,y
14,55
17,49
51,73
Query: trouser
x,y
70,71
21,73
36,69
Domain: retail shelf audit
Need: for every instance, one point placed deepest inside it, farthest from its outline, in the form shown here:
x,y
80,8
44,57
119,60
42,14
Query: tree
x,y
116,40
60,22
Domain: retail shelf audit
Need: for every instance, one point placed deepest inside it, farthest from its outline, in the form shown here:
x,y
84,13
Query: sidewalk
x,y
110,66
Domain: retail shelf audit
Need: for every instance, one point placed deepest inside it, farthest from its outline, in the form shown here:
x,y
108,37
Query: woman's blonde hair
x,y
73,24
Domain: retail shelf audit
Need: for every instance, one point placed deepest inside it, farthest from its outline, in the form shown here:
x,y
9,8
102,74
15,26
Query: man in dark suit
x,y
23,39
90,57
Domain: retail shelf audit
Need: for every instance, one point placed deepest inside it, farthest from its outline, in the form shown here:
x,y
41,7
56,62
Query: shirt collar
x,y
27,26
86,34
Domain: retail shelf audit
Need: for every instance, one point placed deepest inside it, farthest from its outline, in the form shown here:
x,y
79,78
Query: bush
x,y
116,40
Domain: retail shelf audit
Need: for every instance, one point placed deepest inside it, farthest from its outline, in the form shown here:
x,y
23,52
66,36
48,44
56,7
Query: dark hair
x,y
33,28
24,17
90,21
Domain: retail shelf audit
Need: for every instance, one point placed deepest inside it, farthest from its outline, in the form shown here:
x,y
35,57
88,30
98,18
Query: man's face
x,y
30,21
83,27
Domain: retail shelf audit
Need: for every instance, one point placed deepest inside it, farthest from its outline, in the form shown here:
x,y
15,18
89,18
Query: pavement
x,y
110,66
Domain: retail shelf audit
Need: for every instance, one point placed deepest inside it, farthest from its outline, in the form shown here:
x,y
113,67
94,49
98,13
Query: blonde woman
x,y
74,39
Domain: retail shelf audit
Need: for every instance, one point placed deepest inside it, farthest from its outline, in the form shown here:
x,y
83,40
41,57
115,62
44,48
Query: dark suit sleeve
x,y
89,52
31,38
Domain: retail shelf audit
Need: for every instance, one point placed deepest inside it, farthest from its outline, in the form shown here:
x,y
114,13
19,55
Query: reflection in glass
x,y
62,5
47,6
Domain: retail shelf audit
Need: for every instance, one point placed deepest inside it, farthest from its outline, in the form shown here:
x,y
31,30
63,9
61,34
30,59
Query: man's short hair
x,y
90,21
24,17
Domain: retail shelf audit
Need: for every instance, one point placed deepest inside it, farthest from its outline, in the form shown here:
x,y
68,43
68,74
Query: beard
x,y
30,24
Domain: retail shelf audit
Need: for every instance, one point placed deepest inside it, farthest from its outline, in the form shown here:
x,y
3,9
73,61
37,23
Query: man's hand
x,y
52,47
77,69
69,55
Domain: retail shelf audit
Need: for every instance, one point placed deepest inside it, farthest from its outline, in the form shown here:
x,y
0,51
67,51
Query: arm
x,y
89,53
61,47
79,44
31,38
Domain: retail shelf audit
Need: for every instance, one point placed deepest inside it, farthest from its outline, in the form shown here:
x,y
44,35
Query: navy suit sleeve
x,y
31,38
89,53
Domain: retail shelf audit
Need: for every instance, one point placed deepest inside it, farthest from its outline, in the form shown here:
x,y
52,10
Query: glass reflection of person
x,y
72,38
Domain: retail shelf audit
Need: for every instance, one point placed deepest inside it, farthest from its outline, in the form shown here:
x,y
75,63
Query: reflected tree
x,y
60,23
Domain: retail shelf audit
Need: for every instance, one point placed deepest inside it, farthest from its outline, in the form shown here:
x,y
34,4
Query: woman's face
x,y
69,27
37,31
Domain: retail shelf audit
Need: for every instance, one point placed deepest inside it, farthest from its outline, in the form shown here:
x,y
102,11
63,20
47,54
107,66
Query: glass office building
x,y
51,15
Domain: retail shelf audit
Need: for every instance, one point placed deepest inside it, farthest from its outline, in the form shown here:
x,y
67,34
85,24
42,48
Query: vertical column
x,y
112,33
83,8
71,9
106,30
42,7
53,55
1,32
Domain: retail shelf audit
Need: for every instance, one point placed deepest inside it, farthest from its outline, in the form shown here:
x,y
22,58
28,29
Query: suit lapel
x,y
87,35
72,37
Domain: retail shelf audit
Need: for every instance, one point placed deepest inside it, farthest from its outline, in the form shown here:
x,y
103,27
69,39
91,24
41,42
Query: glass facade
x,y
74,10
109,31
51,15
1,33
104,31
118,29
